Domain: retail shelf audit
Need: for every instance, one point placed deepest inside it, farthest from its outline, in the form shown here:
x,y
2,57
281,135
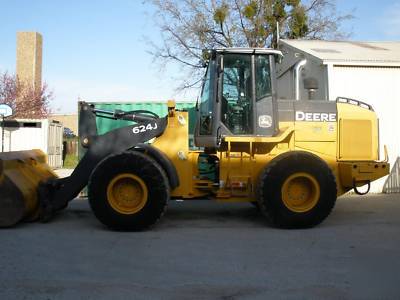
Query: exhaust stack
x,y
297,68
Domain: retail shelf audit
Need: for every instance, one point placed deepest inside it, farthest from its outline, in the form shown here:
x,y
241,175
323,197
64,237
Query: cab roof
x,y
250,51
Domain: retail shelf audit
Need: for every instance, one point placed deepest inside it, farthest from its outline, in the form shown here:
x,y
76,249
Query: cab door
x,y
265,108
237,94
246,100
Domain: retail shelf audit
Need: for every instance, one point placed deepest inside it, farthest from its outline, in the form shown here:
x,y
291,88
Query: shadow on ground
x,y
207,250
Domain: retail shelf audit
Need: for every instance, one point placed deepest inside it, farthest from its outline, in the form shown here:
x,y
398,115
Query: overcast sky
x,y
97,50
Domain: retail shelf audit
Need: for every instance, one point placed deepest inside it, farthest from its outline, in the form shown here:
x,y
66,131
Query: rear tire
x,y
128,191
297,190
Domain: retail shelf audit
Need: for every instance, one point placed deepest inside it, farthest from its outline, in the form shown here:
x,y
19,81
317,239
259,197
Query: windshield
x,y
206,100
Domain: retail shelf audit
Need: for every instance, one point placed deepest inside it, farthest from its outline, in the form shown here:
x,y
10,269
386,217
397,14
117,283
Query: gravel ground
x,y
207,250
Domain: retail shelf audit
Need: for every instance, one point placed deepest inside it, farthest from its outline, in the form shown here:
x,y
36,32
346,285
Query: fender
x,y
163,161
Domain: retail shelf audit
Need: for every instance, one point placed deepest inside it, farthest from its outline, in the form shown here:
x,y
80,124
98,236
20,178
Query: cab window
x,y
263,77
236,106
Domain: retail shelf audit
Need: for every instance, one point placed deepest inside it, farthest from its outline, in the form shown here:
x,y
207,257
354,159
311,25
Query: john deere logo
x,y
315,116
265,121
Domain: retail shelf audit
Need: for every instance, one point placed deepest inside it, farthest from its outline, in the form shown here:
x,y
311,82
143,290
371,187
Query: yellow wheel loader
x,y
291,159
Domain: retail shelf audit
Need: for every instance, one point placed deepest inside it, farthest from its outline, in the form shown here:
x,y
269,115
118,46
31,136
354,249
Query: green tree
x,y
189,26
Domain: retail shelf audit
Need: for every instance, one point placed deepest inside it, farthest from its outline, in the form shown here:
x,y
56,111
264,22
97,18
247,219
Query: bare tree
x,y
324,22
189,26
25,100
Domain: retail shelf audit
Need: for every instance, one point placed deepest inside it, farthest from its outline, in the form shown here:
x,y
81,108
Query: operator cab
x,y
238,96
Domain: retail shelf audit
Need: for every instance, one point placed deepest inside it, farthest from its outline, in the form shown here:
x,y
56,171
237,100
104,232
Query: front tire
x,y
128,191
297,190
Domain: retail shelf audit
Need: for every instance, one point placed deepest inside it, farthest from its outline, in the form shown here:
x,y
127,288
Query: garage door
x,y
380,87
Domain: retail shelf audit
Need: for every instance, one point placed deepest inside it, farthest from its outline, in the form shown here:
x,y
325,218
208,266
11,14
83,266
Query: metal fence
x,y
71,146
392,184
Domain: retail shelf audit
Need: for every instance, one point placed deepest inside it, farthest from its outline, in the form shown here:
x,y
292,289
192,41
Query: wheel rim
x,y
127,193
300,192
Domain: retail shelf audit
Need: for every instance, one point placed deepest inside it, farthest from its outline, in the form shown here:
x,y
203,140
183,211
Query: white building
x,y
366,71
27,134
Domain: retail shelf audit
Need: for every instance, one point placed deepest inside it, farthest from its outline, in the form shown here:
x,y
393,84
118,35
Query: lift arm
x,y
55,194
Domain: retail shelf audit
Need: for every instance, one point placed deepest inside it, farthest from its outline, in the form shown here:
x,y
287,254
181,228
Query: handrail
x,y
354,102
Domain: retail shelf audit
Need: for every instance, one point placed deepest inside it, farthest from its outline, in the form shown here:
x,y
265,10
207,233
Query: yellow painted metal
x,y
171,103
282,135
316,131
20,175
243,158
319,138
323,149
300,192
358,133
127,193
359,172
174,144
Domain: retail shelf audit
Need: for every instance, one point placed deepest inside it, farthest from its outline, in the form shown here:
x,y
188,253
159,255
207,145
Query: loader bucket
x,y
20,175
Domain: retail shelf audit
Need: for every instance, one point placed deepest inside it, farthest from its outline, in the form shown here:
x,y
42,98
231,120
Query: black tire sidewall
x,y
137,164
273,178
